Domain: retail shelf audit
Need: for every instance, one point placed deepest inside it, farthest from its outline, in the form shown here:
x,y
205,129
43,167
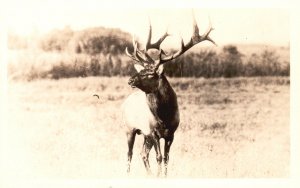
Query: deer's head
x,y
150,70
146,78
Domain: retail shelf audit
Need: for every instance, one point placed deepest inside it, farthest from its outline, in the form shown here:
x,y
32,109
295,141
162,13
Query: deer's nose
x,y
130,81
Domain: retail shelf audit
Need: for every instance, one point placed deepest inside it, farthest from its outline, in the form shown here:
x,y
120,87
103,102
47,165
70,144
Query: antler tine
x,y
140,56
148,44
136,53
195,39
134,49
206,36
135,56
195,26
157,44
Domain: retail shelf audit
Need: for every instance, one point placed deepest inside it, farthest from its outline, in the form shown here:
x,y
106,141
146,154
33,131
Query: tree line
x,y
100,52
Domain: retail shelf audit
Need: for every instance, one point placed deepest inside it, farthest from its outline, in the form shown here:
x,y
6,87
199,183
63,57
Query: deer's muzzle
x,y
131,82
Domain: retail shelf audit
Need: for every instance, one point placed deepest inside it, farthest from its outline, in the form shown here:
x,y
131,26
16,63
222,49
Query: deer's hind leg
x,y
130,141
148,143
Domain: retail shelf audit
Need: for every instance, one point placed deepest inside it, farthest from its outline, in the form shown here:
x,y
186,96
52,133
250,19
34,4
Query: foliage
x,y
100,40
229,63
99,65
100,52
90,41
57,40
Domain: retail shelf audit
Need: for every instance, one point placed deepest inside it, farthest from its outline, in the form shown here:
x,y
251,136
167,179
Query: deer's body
x,y
155,115
141,110
153,111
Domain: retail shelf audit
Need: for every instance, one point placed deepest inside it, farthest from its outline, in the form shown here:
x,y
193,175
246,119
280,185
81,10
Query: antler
x,y
136,54
195,39
146,59
157,44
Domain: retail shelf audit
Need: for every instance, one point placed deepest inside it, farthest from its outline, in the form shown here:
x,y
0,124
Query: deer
x,y
152,111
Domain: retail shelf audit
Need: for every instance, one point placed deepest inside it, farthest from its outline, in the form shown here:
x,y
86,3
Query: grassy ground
x,y
230,128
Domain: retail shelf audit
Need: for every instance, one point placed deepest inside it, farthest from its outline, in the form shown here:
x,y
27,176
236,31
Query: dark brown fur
x,y
163,105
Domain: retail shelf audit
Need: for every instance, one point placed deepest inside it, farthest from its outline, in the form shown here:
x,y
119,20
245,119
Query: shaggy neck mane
x,y
163,102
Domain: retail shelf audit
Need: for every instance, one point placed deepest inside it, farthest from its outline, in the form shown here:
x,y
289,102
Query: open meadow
x,y
230,128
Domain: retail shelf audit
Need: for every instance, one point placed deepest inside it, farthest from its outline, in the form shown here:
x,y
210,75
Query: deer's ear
x,y
160,69
138,67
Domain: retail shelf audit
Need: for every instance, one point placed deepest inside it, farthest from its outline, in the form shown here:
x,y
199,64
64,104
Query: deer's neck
x,y
163,102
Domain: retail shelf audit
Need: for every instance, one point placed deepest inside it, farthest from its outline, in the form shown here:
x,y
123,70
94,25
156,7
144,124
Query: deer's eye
x,y
150,76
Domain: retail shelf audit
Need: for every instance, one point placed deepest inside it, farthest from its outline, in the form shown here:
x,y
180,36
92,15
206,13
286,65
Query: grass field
x,y
230,128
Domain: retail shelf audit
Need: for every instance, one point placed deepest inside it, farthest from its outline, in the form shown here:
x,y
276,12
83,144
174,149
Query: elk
x,y
152,111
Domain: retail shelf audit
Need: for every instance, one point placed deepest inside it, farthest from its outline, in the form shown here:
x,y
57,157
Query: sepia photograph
x,y
97,91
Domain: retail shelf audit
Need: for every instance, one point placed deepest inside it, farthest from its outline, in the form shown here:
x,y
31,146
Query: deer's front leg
x,y
158,153
168,143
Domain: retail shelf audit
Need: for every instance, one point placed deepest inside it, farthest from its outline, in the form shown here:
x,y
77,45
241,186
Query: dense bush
x,y
195,64
99,65
90,41
228,63
100,52
206,63
56,40
100,40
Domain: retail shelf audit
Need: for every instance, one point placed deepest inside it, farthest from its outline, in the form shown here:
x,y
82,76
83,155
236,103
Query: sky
x,y
233,24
